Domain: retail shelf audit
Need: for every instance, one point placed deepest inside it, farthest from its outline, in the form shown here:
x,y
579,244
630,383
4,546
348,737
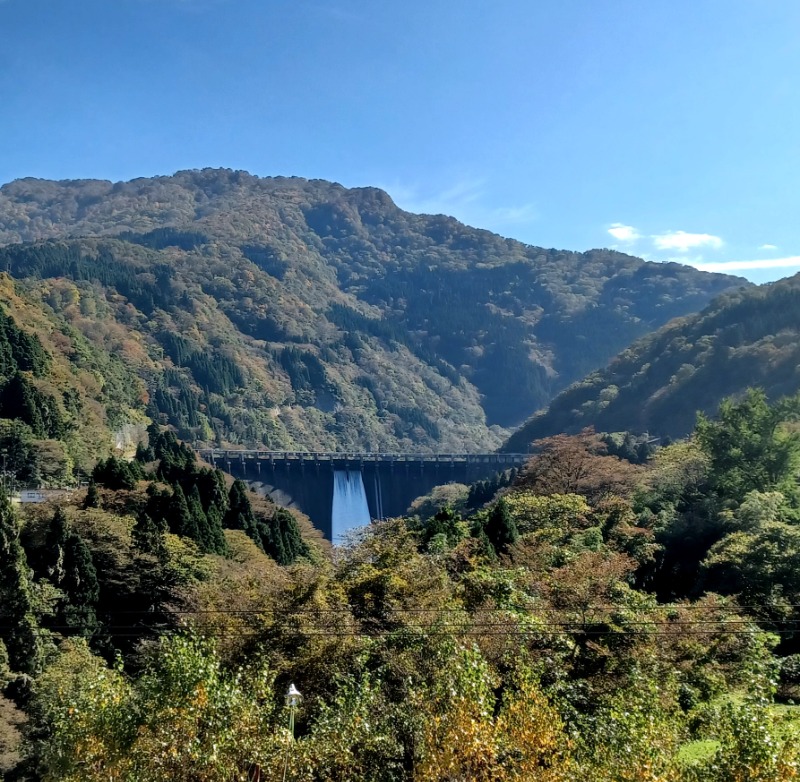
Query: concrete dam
x,y
340,491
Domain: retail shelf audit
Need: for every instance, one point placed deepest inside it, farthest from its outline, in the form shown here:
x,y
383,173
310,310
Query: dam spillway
x,y
349,508
391,482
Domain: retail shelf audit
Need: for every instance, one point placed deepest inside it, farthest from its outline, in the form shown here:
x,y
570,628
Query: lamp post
x,y
293,698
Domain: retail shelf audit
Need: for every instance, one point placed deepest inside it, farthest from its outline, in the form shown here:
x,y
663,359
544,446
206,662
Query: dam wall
x,y
391,481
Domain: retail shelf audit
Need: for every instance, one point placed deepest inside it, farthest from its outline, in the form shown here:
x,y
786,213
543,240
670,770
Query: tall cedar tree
x,y
148,537
180,518
54,547
19,631
281,539
92,499
211,535
20,399
240,512
80,586
501,529
115,473
68,565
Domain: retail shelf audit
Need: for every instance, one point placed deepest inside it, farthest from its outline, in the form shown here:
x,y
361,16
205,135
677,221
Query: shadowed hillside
x,y
658,384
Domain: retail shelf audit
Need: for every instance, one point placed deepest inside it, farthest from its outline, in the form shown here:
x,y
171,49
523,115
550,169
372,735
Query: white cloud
x,y
764,263
624,233
768,247
683,241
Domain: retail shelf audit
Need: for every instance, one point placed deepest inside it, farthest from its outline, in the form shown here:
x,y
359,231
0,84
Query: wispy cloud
x,y
762,263
624,233
450,200
465,200
768,247
524,213
682,241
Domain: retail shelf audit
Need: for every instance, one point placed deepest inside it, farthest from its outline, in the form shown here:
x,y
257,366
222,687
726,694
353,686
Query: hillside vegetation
x,y
299,314
658,384
595,620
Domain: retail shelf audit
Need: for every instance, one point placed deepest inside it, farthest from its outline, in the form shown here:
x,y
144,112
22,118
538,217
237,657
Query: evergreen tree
x,y
281,537
92,499
18,400
145,453
501,529
158,506
148,538
80,587
115,474
240,512
213,491
217,536
54,547
180,518
271,541
205,537
17,622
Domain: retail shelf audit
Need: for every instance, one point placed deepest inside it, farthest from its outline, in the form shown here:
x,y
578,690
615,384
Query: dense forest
x,y
656,385
287,313
623,608
594,618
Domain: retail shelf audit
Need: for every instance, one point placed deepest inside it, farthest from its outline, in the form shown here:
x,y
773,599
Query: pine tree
x,y
115,474
18,400
158,506
19,630
217,536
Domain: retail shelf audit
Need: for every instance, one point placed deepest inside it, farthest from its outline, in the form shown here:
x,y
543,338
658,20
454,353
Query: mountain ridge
x,y
337,318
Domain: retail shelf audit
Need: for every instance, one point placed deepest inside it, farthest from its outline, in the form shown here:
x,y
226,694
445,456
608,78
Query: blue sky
x,y
666,128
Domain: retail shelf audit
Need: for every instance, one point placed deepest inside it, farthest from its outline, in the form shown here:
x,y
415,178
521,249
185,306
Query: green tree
x,y
180,518
240,512
20,632
280,537
500,527
92,499
81,587
147,537
750,448
115,473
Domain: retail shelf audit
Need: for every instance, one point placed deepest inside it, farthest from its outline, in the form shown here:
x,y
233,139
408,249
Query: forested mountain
x,y
292,313
750,337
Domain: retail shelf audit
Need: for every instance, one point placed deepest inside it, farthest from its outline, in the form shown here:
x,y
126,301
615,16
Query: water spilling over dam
x,y
350,508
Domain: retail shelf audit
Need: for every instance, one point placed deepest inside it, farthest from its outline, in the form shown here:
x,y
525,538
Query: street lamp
x,y
293,698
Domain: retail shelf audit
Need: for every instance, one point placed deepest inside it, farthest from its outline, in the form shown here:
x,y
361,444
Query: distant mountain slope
x,y
296,313
65,399
657,385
